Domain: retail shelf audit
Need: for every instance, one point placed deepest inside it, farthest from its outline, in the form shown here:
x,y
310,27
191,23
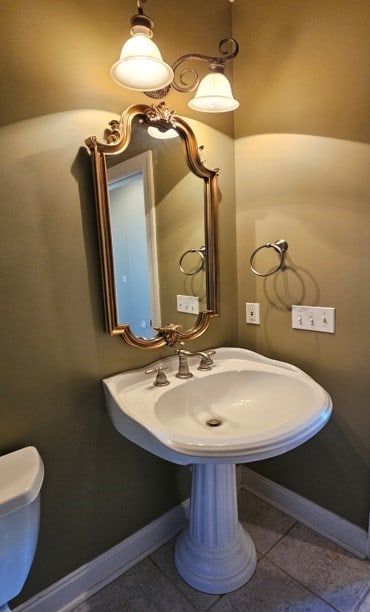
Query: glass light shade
x,y
141,66
214,95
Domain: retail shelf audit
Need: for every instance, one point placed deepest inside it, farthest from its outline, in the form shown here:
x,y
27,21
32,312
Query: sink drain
x,y
214,422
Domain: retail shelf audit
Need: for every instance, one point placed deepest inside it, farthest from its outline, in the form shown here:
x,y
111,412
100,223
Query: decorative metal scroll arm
x,y
216,63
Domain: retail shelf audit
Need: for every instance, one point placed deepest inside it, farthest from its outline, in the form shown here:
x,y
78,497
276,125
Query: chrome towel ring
x,y
202,254
280,246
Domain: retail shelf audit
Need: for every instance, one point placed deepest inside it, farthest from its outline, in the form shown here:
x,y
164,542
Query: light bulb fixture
x,y
142,68
214,93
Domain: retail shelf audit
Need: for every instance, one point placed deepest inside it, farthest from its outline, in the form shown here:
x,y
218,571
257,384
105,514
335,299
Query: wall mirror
x,y
157,210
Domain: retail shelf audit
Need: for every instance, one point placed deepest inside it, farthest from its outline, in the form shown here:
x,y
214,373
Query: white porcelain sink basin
x,y
261,408
248,407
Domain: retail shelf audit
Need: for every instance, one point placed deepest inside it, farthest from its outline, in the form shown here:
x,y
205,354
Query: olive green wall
x,y
302,173
55,56
301,149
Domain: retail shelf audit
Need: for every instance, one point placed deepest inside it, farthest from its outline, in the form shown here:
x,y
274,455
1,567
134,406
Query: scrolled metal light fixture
x,y
142,68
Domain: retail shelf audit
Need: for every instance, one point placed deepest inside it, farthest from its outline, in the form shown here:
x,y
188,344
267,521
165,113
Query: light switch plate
x,y
252,313
314,318
188,303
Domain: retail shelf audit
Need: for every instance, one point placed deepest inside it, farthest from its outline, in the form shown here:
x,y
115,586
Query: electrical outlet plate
x,y
314,318
252,313
188,303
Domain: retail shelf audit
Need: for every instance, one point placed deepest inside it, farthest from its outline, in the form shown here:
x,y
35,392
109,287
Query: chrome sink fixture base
x,y
247,407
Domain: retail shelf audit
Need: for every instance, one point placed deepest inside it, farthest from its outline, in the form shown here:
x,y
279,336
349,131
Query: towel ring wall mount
x,y
202,255
280,246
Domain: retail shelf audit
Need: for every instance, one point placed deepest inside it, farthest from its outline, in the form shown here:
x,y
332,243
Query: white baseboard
x,y
81,584
330,525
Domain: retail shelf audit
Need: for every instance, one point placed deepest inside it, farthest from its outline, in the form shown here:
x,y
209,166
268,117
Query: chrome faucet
x,y
205,362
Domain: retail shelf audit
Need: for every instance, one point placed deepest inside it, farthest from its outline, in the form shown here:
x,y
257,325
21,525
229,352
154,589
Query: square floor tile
x,y
164,558
265,524
326,569
271,590
143,588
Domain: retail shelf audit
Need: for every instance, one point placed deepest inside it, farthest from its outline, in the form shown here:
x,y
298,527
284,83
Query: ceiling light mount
x,y
141,20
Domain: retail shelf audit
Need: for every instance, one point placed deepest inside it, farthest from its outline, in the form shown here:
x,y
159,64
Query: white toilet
x,y
21,476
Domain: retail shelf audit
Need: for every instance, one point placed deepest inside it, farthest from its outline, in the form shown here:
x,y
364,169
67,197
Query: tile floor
x,y
297,570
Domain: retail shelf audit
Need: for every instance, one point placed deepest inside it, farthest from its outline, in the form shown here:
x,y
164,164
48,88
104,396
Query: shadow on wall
x,y
291,284
333,467
314,192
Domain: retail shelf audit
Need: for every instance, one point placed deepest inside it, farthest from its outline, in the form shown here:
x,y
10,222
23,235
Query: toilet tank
x,y
21,477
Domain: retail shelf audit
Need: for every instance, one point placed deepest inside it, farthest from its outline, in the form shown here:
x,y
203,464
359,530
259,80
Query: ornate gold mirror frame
x,y
118,137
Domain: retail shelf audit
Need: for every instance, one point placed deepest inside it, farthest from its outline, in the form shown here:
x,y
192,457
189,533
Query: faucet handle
x,y
206,361
161,378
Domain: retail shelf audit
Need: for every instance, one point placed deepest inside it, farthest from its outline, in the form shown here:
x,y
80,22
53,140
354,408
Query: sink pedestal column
x,y
214,554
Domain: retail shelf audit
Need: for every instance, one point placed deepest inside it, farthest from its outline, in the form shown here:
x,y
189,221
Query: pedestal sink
x,y
248,407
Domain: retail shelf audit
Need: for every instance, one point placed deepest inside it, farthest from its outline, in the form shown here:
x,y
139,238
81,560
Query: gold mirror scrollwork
x,y
117,139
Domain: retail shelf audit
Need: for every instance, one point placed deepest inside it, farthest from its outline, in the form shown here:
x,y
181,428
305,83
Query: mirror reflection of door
x,y
132,211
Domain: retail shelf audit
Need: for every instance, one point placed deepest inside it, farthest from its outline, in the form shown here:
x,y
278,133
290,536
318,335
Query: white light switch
x,y
314,318
252,313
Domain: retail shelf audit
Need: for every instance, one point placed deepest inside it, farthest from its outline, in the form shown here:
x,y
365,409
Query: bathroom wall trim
x,y
81,584
330,525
